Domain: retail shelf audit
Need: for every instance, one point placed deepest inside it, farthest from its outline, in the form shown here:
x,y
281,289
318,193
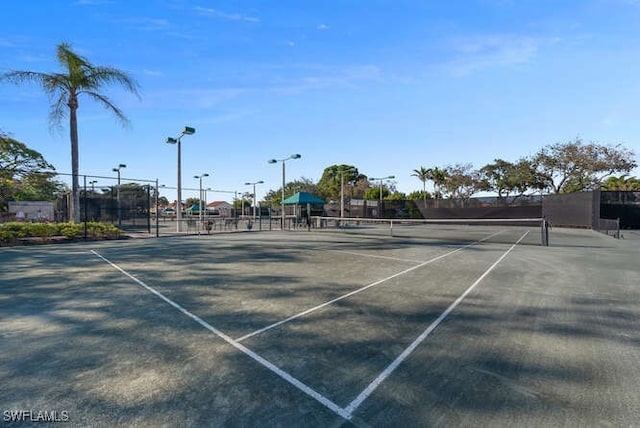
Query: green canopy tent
x,y
307,200
193,209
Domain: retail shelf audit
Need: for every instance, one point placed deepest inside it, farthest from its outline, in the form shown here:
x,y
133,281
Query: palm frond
x,y
102,75
108,104
58,111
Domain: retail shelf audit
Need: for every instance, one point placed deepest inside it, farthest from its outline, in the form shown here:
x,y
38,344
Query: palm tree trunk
x,y
424,192
74,212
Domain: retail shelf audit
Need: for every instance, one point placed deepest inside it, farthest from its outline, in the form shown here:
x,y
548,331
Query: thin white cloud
x,y
326,77
146,24
223,15
92,2
476,53
152,73
322,27
5,43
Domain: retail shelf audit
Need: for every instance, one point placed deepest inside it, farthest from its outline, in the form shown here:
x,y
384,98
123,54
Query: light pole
x,y
186,131
206,195
255,198
120,166
93,183
199,177
294,156
342,171
389,177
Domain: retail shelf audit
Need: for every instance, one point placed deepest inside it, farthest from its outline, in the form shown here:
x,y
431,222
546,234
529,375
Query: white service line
x,y
279,372
391,367
344,296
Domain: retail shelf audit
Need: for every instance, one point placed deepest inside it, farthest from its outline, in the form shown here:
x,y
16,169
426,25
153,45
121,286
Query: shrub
x,y
69,230
102,230
19,230
7,235
12,231
42,230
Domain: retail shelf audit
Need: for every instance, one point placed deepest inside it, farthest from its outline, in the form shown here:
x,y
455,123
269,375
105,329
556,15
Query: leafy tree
x,y
373,193
576,166
163,201
506,178
397,196
423,174
419,195
274,197
462,181
622,183
439,178
79,77
17,159
192,201
20,174
330,184
361,186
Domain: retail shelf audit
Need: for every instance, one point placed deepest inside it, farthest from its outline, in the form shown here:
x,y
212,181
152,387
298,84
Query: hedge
x,y
13,231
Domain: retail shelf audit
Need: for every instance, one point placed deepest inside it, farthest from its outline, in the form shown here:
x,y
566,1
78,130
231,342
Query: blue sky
x,y
385,85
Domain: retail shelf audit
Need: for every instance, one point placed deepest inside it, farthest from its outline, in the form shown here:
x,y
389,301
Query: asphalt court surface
x,y
300,328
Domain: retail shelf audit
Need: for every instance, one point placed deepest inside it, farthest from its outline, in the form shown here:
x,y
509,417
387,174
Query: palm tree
x,y
79,77
623,183
423,175
439,178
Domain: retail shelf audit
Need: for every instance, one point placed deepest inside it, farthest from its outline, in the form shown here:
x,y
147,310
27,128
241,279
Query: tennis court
x,y
325,328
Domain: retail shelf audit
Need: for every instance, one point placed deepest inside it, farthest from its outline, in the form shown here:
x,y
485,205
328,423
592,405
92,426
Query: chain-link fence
x,y
126,203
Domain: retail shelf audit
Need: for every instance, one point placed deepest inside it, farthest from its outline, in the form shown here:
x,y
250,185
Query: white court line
x,y
337,299
279,372
391,367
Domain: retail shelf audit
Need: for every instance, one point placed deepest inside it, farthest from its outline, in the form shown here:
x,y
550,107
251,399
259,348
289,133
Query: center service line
x,y
279,372
344,296
391,367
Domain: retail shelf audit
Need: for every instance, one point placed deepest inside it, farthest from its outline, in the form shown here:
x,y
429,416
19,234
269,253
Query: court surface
x,y
321,329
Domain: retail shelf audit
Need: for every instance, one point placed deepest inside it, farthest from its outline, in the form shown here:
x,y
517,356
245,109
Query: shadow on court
x,y
549,337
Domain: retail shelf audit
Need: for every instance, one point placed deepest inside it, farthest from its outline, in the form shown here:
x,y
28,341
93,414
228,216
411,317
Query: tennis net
x,y
536,230
609,226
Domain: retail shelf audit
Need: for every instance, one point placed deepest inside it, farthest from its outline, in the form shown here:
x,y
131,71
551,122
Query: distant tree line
x,y
573,166
557,168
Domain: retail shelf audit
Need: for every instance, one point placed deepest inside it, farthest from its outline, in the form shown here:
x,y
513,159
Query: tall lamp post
x,y
120,166
255,198
294,156
342,171
186,131
93,184
199,177
389,177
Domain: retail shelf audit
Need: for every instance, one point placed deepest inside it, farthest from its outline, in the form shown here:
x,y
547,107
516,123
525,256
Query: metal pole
x,y
85,207
341,194
380,206
118,200
200,206
157,210
282,202
254,202
179,201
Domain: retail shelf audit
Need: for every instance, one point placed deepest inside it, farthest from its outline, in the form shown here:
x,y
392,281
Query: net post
x,y
391,228
617,235
544,231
